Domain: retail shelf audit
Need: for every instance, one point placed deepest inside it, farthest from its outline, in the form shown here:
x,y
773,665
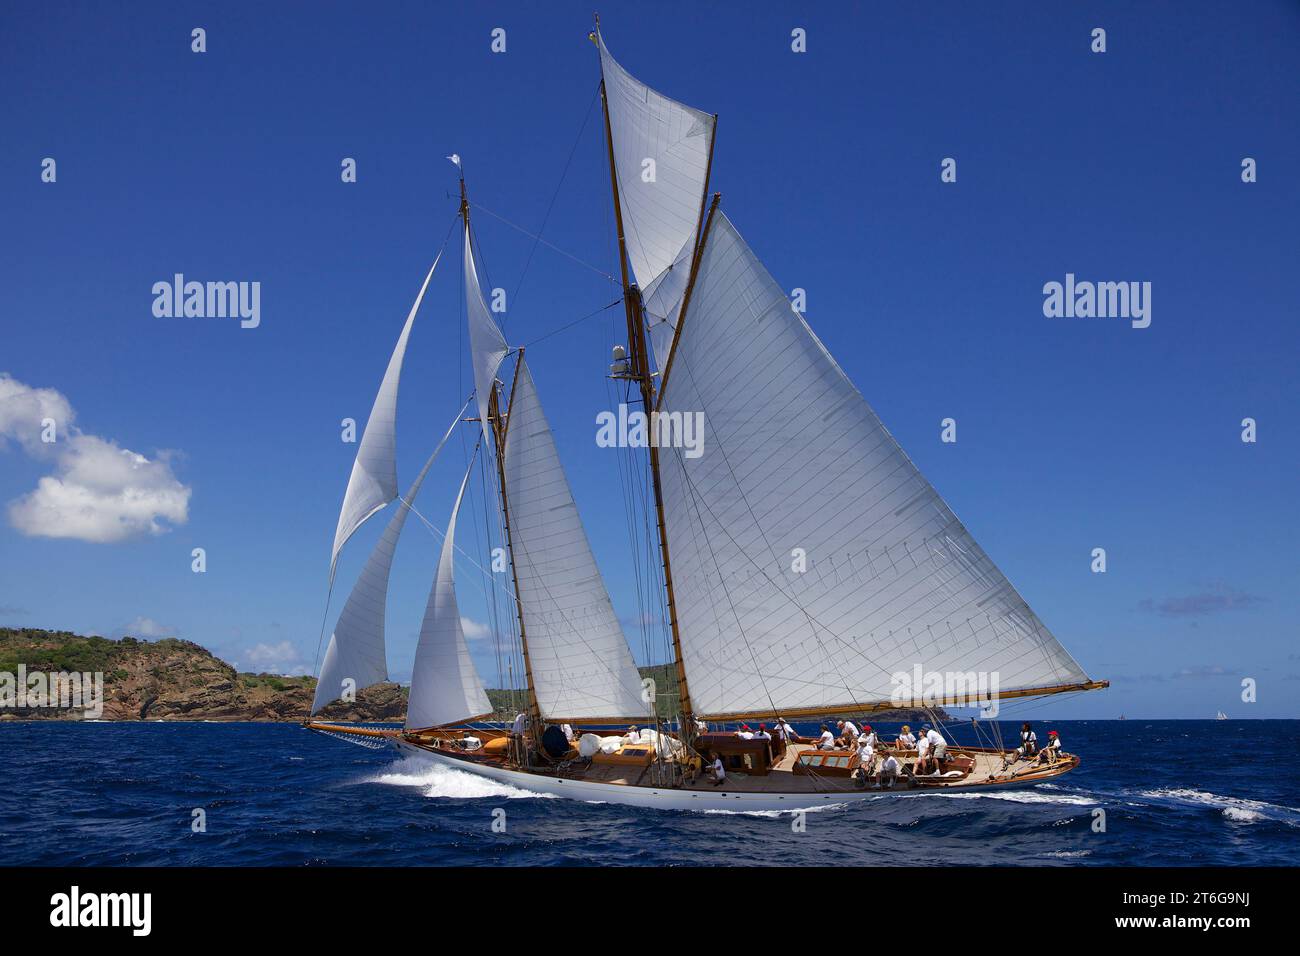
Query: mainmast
x,y
498,424
639,371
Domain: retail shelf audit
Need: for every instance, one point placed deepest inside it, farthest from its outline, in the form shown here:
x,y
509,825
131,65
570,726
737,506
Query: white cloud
x,y
24,410
148,627
474,631
282,658
99,491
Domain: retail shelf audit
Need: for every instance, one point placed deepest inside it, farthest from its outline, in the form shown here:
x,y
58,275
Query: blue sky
x,y
1072,433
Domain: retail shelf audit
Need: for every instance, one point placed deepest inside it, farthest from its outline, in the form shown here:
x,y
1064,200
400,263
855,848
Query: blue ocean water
x,y
1192,793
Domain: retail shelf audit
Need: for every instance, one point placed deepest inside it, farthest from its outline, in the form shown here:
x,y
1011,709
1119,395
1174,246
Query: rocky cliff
x,y
171,679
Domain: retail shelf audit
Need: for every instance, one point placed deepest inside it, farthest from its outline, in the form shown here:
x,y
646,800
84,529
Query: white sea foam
x,y
772,814
439,781
1024,796
1234,809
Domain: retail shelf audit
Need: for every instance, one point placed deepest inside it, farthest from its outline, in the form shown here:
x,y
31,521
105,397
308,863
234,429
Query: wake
x,y
1234,809
447,782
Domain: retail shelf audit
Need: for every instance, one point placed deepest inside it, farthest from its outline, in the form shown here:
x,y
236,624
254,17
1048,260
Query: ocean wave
x,y
447,782
773,814
1234,809
1024,796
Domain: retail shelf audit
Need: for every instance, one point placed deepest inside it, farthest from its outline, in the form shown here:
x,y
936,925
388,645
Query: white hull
x,y
673,799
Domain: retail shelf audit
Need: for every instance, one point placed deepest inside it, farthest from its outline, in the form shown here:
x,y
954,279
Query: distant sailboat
x,y
796,462
1220,716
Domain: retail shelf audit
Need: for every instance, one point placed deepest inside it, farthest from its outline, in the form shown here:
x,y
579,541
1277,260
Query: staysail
x,y
796,464
487,344
661,156
581,664
373,482
445,686
356,649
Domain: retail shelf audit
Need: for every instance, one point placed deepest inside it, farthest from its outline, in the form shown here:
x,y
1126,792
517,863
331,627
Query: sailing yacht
x,y
794,463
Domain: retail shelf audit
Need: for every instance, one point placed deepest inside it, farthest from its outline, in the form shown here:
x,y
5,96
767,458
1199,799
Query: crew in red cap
x,y
1052,752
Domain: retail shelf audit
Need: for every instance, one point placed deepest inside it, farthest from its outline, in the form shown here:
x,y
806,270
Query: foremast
x,y
497,424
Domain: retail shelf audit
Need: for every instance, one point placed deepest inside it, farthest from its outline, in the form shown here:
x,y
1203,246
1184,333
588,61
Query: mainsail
x,y
795,462
580,661
662,150
445,686
356,648
373,482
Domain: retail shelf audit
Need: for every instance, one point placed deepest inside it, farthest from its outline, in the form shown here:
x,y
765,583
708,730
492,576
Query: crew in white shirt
x,y
938,748
784,729
889,771
866,754
870,735
716,770
827,739
518,728
1028,742
922,755
906,739
866,757
848,732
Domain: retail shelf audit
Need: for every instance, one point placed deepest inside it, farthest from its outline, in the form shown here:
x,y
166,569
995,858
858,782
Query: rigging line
x,y
323,621
545,218
442,536
550,245
567,326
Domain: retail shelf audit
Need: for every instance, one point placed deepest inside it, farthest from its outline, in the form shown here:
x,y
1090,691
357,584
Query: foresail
x,y
796,467
486,343
373,482
661,155
445,686
355,657
581,664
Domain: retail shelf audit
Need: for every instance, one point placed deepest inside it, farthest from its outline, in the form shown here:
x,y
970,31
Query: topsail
x,y
796,463
661,156
373,482
487,346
